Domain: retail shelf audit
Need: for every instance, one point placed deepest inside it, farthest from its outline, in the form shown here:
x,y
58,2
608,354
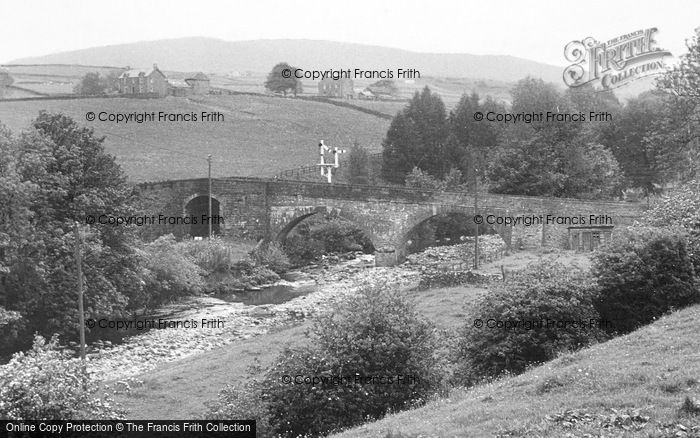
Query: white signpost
x,y
327,168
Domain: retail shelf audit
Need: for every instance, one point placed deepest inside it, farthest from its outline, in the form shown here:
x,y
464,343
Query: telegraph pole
x,y
209,161
476,206
81,310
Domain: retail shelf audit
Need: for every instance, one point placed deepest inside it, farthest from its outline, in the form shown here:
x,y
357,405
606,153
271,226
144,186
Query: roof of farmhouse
x,y
134,73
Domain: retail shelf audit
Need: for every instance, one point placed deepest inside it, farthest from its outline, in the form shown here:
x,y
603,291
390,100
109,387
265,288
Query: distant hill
x,y
219,56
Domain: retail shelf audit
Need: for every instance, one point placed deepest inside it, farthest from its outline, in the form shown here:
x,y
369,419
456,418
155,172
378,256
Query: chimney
x,y
155,66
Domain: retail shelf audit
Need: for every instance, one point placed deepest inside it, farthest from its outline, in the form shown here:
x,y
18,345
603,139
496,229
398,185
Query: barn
x,y
199,83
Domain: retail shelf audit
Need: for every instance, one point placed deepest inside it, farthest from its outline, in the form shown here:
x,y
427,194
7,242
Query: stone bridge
x,y
269,209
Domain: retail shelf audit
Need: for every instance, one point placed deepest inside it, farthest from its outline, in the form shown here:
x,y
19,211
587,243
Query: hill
x,y
258,136
219,56
634,385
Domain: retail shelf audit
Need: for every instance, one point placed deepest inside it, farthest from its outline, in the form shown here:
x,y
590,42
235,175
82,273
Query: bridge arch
x,y
467,212
196,206
284,222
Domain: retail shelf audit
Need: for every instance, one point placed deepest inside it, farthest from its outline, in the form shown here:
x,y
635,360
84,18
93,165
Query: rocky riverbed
x,y
221,322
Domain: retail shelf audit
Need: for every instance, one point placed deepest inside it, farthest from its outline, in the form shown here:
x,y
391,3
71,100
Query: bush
x,y
271,256
339,236
376,333
543,293
15,332
643,273
302,250
244,402
212,255
46,384
680,207
171,271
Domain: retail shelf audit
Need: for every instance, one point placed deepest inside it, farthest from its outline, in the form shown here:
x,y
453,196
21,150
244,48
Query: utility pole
x,y
476,210
209,218
81,310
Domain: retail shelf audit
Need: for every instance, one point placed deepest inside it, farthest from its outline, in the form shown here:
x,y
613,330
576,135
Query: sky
x,y
536,30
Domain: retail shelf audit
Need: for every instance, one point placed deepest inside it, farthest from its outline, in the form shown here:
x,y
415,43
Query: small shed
x,y
588,238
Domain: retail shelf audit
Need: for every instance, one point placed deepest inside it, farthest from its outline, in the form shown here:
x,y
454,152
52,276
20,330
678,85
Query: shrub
x,y
377,332
271,256
45,383
171,271
302,250
643,273
543,293
680,207
212,255
244,402
339,236
15,332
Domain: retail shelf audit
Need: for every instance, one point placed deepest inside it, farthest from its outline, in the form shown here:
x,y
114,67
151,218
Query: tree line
x,y
649,142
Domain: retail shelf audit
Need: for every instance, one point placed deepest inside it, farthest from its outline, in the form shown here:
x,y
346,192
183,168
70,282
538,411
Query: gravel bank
x,y
231,322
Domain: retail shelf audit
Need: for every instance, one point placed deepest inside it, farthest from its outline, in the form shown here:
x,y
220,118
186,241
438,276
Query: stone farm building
x,y
139,82
154,83
199,82
342,88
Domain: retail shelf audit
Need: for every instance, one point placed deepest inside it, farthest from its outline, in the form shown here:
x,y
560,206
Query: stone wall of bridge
x,y
270,209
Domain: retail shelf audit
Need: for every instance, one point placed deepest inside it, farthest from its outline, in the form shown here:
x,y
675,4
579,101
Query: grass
x,y
259,136
646,383
179,390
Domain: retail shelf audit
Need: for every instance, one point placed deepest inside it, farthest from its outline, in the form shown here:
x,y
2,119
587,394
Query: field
x,y
259,136
51,79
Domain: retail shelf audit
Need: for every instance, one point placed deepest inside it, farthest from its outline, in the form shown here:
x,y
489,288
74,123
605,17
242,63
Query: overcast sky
x,y
536,30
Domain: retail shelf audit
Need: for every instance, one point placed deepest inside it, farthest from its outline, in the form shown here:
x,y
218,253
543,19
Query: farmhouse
x,y
336,88
139,82
199,82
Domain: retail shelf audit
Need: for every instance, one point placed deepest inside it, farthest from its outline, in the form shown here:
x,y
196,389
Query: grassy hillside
x,y
259,135
634,385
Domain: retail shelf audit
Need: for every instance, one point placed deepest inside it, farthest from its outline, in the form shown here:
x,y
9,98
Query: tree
x,y
677,131
417,138
473,141
281,79
627,136
541,166
5,81
62,176
94,84
358,165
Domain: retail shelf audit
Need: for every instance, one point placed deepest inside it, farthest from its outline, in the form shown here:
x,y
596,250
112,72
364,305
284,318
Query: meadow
x,y
259,136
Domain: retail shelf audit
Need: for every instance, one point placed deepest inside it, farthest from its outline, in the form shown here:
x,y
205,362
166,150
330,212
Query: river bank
x,y
200,324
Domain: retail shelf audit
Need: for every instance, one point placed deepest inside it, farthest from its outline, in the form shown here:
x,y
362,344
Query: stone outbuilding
x,y
199,82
